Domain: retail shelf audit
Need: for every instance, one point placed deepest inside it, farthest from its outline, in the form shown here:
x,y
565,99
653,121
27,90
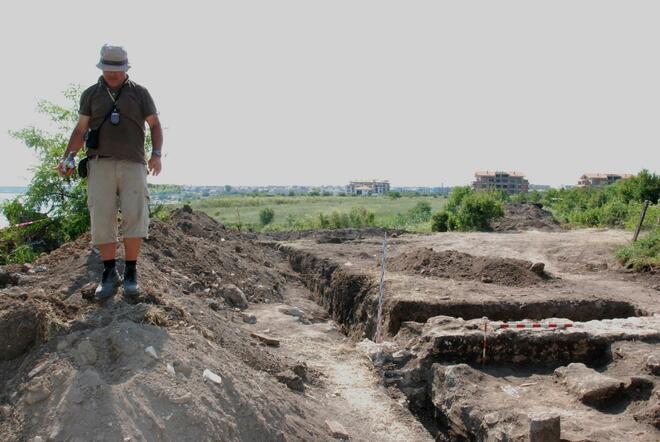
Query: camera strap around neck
x,y
114,102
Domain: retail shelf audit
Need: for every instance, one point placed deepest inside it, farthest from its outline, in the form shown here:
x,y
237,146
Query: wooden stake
x,y
641,220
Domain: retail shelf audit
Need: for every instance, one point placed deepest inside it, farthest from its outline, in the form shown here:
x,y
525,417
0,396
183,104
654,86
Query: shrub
x,y
440,221
476,211
643,254
266,216
468,210
420,213
361,217
614,214
614,205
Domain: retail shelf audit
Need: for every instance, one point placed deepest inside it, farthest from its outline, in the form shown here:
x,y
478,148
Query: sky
x,y
421,93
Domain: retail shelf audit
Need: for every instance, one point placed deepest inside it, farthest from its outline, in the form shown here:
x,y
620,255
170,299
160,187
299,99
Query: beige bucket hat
x,y
113,58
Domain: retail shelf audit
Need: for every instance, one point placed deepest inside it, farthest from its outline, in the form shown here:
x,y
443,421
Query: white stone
x,y
208,374
151,352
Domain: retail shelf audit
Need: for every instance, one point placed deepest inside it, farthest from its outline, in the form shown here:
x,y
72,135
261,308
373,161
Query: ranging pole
x,y
379,317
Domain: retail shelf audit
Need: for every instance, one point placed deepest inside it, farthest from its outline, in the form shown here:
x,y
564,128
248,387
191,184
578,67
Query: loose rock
x,y
151,352
234,296
184,398
196,287
291,380
301,370
266,339
249,318
208,374
87,291
7,278
213,305
545,427
336,430
587,384
653,364
538,268
292,311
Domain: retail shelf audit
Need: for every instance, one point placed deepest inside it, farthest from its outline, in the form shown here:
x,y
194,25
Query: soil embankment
x,y
457,265
188,360
525,216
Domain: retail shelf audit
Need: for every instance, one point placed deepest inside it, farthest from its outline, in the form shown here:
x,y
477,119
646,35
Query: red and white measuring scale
x,y
555,325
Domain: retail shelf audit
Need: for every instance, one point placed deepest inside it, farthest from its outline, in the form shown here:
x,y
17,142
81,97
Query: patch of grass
x,y
642,255
315,212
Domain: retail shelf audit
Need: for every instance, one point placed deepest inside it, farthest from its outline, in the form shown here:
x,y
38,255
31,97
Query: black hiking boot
x,y
131,287
108,285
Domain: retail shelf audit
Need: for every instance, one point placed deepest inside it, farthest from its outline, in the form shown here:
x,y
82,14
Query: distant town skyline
x,y
274,93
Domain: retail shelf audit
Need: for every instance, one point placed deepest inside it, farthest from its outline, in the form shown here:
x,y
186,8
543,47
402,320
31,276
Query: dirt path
x,y
347,387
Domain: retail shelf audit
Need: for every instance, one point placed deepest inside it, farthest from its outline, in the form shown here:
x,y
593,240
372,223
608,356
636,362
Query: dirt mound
x,y
463,266
525,216
73,369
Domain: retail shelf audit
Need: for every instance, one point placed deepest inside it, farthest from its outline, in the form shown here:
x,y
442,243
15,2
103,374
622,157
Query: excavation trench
x,y
455,334
351,299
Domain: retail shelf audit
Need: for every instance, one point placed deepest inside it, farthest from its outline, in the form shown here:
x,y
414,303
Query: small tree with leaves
x,y
55,207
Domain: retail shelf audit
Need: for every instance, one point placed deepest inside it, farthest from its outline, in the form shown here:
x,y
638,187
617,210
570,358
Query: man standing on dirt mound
x,y
111,126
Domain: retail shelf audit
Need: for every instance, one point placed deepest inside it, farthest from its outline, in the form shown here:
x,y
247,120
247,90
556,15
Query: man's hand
x,y
63,171
154,165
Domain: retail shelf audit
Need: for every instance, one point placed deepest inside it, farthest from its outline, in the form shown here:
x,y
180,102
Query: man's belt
x,y
93,157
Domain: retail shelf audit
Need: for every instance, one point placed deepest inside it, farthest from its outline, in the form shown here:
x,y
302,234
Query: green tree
x,y
643,186
50,199
456,197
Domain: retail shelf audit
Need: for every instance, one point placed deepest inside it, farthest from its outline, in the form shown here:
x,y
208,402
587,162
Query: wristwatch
x,y
156,153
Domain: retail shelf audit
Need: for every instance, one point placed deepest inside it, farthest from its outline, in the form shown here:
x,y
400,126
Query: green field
x,y
312,212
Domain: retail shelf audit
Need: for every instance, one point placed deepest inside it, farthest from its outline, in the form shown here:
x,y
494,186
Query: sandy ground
x,y
348,388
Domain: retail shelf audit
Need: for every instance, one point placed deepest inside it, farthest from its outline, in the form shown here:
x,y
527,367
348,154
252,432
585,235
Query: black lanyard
x,y
114,102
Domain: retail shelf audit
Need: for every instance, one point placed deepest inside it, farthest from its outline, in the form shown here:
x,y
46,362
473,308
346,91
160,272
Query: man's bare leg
x,y
132,248
108,251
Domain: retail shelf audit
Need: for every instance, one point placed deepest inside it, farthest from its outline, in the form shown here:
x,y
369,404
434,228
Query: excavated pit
x,y
438,344
351,299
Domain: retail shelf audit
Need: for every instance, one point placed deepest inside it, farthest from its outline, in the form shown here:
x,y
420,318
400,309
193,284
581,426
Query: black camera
x,y
92,139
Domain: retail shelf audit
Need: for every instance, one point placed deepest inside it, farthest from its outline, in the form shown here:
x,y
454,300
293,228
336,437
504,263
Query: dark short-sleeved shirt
x,y
126,140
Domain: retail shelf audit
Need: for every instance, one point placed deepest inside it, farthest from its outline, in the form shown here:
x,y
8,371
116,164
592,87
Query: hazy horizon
x,y
422,94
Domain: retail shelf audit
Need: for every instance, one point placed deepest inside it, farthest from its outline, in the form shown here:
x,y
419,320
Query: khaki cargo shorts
x,y
117,184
